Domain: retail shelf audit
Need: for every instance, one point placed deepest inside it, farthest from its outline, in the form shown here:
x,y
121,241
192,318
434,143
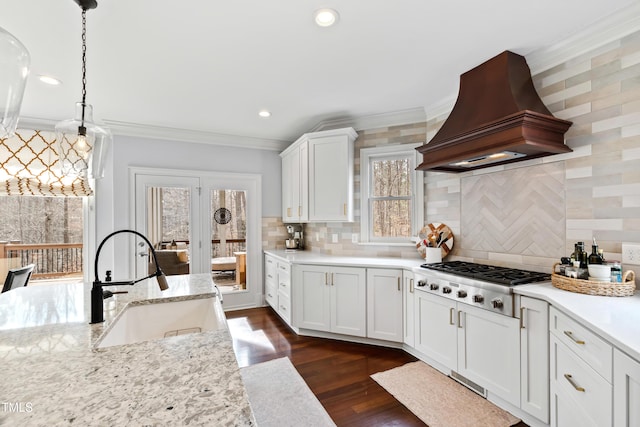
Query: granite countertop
x,y
313,258
616,319
52,375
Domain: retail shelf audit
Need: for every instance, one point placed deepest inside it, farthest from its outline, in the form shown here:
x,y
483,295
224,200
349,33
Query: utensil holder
x,y
433,255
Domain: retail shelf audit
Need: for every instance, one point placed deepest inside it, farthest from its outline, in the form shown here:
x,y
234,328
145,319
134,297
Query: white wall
x,y
113,210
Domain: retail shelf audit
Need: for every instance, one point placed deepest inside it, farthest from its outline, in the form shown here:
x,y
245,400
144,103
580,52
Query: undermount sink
x,y
147,322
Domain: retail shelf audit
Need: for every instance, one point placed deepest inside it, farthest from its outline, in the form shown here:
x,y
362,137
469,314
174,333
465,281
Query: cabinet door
x,y
435,328
580,396
489,351
312,298
534,357
384,304
331,178
348,300
295,199
408,292
288,170
626,390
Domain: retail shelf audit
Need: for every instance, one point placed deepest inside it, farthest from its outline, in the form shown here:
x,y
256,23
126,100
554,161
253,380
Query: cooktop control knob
x,y
434,286
462,294
496,303
422,283
478,298
446,290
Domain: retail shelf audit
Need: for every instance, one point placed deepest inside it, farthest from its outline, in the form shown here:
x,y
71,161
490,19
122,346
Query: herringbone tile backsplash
x,y
519,211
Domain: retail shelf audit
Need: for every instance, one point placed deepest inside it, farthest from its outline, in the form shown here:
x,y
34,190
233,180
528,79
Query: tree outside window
x,y
391,194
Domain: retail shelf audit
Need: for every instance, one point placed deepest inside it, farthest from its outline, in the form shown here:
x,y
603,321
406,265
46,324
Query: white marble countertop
x,y
616,319
52,375
307,257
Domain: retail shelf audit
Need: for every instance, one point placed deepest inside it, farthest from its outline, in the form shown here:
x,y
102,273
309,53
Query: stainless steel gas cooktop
x,y
488,273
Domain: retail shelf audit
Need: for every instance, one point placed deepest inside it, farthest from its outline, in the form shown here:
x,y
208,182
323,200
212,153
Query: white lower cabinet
x,y
626,390
480,345
408,308
277,286
534,357
331,299
384,304
271,281
284,291
581,369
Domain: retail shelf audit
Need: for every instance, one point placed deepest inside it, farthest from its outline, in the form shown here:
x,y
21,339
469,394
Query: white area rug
x,y
440,401
279,396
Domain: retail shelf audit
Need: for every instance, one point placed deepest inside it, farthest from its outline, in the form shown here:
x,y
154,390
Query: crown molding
x,y
119,128
609,29
374,121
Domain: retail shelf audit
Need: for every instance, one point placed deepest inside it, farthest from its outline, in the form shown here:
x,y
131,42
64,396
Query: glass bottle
x,y
594,258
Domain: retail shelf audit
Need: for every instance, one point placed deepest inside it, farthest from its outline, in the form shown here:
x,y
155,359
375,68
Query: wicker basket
x,y
592,287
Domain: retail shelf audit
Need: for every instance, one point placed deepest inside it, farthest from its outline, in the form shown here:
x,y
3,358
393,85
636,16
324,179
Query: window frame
x,y
390,152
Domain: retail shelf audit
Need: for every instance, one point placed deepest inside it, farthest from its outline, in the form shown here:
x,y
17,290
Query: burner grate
x,y
489,273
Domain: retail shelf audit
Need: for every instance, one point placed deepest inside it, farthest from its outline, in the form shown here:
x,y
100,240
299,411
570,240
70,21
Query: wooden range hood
x,y
498,118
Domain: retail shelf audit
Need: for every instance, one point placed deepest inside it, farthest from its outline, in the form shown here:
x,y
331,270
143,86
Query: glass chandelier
x,y
81,143
14,69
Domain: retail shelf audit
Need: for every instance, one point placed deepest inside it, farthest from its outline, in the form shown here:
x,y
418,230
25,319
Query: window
x,y
391,196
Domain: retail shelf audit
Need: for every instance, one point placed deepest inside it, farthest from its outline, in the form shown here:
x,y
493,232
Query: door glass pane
x,y
168,228
228,240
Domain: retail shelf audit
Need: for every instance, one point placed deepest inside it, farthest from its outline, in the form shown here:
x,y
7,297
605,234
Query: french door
x,y
220,213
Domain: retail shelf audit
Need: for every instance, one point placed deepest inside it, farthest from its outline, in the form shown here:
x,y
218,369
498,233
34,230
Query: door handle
x,y
331,279
143,253
522,309
326,278
459,320
451,310
399,285
411,285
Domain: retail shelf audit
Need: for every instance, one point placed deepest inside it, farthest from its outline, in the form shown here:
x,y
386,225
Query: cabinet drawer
x,y
574,382
284,306
284,285
271,294
284,267
591,348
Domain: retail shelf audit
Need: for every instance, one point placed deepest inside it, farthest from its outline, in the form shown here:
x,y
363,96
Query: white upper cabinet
x,y
317,177
295,179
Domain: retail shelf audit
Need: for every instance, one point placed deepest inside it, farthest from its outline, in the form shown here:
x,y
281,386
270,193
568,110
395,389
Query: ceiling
x,y
207,67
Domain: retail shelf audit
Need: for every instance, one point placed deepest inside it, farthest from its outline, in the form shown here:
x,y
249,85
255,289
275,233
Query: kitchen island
x,y
52,375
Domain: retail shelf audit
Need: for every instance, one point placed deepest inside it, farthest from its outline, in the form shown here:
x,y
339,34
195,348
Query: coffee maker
x,y
296,239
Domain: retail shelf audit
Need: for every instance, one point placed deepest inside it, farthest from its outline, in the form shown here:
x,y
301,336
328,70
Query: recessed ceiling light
x,y
264,113
49,80
326,17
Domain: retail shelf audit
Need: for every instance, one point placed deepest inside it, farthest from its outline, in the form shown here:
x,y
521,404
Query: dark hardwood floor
x,y
336,371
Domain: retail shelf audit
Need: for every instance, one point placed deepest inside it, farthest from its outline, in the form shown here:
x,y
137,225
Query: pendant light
x,y
81,143
14,69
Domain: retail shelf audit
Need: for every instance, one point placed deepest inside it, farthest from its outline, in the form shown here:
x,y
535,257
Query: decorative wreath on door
x,y
222,216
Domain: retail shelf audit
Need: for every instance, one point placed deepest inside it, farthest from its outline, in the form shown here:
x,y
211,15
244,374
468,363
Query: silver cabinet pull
x,y
573,383
570,335
331,279
522,309
326,278
399,285
411,285
459,321
451,310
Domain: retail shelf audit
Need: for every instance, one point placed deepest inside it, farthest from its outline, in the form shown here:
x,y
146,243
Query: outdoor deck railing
x,y
50,259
